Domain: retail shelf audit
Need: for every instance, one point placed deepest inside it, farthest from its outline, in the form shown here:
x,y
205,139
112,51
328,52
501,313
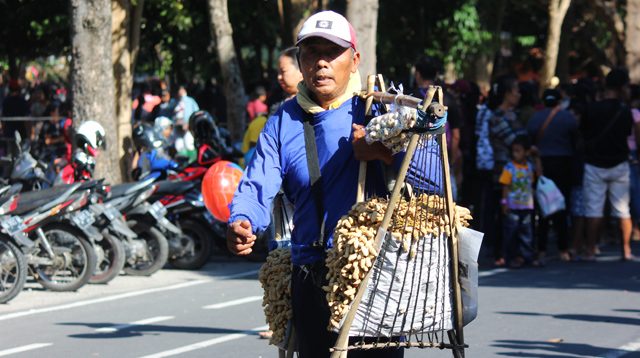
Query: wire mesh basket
x,y
409,293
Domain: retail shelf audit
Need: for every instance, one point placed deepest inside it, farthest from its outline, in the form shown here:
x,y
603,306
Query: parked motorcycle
x,y
149,251
59,255
13,265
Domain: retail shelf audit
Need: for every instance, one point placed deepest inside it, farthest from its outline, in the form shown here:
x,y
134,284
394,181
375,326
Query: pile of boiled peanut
x,y
353,253
275,278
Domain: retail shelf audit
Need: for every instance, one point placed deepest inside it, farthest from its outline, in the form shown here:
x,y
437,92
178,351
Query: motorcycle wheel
x,y
74,261
13,271
156,250
111,262
197,240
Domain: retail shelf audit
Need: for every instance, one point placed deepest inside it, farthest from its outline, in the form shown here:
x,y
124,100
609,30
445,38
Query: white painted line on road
x,y
624,350
492,272
239,274
29,347
143,322
204,344
121,296
101,300
233,302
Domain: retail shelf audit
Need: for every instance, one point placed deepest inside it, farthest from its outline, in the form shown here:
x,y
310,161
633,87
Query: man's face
x,y
326,68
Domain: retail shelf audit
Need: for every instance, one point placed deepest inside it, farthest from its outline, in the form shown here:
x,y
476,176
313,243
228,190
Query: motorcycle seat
x,y
44,199
9,190
129,188
88,185
174,187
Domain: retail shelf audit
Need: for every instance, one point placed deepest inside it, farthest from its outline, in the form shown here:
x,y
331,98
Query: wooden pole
x,y
362,171
453,242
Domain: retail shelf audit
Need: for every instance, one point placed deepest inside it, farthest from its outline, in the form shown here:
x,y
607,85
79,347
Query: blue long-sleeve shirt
x,y
280,159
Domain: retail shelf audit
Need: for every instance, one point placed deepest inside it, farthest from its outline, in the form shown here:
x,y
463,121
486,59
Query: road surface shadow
x,y
519,348
582,317
147,329
602,275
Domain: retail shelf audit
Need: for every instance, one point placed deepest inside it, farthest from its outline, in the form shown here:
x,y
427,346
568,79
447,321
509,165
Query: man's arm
x,y
251,205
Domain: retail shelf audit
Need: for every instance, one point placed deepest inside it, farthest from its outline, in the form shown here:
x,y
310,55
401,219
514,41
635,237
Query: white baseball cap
x,y
331,26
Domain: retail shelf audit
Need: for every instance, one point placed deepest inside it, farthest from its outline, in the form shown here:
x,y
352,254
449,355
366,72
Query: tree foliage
x,y
31,29
176,41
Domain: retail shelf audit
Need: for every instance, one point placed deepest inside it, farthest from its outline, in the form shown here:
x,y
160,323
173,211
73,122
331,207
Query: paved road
x,y
563,310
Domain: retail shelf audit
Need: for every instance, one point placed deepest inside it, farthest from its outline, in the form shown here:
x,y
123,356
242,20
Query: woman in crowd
x,y
553,130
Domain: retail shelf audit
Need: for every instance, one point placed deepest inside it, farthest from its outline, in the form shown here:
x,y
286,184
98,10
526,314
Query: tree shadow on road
x,y
520,348
584,317
607,275
148,329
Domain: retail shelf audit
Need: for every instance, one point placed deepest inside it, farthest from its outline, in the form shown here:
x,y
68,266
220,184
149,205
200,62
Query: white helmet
x,y
161,123
90,136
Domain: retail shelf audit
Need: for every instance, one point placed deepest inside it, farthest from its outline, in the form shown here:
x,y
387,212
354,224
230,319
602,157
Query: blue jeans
x,y
518,235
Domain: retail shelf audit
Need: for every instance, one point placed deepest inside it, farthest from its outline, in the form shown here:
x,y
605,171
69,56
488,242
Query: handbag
x,y
549,197
546,123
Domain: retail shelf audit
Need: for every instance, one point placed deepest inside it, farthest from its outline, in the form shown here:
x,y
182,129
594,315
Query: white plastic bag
x,y
469,245
549,197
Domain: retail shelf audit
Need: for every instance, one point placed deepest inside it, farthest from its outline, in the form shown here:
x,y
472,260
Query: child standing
x,y
517,181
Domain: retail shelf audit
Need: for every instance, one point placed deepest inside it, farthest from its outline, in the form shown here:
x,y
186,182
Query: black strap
x,y
315,179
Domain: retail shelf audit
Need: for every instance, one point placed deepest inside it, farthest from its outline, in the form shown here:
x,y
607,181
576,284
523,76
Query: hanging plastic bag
x,y
549,197
470,242
388,128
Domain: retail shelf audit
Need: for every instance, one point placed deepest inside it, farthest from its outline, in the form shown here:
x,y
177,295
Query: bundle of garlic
x,y
353,254
275,278
388,128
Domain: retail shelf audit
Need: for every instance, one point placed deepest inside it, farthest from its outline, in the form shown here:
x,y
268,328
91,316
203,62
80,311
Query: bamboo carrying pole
x,y
362,171
458,337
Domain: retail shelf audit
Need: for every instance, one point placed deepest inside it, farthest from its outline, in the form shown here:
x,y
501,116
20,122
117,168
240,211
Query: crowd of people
x,y
584,136
580,135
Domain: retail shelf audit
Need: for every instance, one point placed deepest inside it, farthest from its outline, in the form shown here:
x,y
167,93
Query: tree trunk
x,y
482,70
562,68
363,15
222,34
92,82
134,30
608,11
120,32
632,39
557,11
292,15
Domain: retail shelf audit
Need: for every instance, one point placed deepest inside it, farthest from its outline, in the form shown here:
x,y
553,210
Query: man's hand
x,y
364,151
240,237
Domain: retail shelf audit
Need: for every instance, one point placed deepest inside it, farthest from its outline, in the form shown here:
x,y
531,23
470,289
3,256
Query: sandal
x,y
564,256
